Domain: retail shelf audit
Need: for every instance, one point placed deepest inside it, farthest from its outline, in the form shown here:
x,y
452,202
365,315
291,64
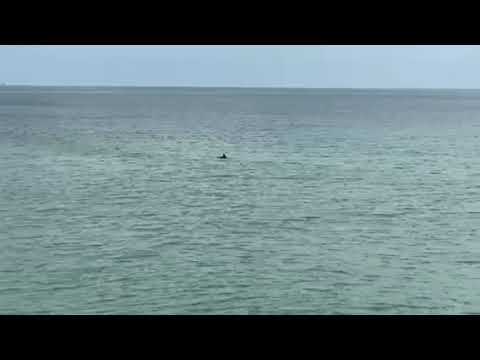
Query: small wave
x,y
468,262
125,197
221,176
388,215
148,229
50,209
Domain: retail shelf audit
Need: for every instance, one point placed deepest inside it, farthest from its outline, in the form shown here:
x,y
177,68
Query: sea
x,y
331,201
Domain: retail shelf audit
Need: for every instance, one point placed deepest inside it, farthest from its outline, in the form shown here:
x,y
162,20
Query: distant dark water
x,y
331,201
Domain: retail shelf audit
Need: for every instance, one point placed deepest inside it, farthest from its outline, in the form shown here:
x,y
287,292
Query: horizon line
x,y
236,87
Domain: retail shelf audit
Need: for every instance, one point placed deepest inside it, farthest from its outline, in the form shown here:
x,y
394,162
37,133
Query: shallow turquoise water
x,y
331,201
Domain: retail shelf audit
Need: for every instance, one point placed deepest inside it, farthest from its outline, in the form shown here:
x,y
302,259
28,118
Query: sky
x,y
358,66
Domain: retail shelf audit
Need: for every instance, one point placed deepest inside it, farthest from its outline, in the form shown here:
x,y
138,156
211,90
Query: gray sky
x,y
255,66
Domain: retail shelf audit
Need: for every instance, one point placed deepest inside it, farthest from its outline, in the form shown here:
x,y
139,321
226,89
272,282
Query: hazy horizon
x,y
232,87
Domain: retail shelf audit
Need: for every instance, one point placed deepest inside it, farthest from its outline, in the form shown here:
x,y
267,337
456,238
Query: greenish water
x,y
331,201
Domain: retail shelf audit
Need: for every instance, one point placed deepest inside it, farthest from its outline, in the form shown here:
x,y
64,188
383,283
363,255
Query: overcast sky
x,y
255,66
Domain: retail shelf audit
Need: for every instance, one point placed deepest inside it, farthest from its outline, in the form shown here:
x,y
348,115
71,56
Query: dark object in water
x,y
223,156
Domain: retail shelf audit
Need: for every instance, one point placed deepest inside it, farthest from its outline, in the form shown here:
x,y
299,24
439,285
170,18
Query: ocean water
x,y
113,201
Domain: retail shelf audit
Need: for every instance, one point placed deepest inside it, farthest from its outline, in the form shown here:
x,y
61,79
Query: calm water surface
x,y
331,202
